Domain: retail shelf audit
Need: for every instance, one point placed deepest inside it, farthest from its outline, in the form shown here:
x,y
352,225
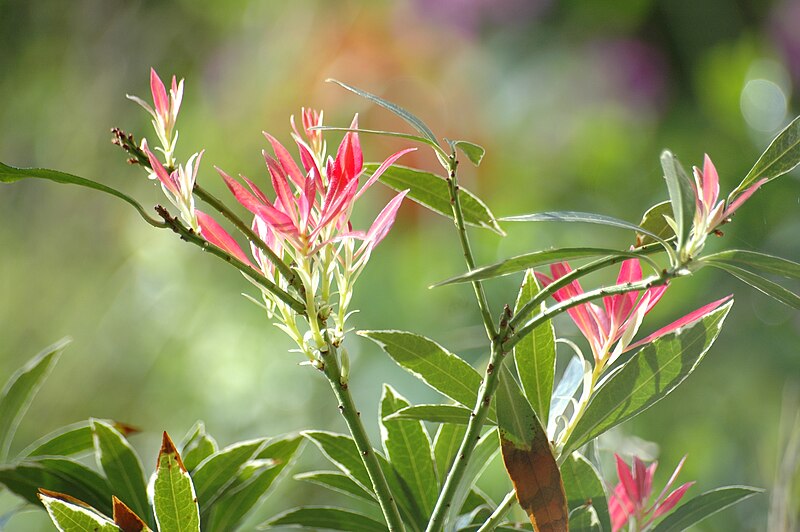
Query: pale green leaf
x,y
71,517
780,157
763,285
681,195
515,418
585,519
473,151
220,470
485,450
174,499
759,261
341,450
655,222
198,445
703,506
336,482
583,486
445,446
325,518
434,413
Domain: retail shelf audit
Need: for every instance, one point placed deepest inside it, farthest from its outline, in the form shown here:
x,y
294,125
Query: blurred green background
x,y
573,100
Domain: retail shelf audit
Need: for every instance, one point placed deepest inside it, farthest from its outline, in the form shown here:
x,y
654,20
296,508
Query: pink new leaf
x,y
383,222
382,168
159,95
692,317
216,235
286,160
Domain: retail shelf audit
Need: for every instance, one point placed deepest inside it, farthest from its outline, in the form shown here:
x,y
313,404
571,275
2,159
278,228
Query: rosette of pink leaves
x,y
630,500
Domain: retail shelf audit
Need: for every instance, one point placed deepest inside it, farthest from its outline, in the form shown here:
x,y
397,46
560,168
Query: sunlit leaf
x,y
20,390
219,470
759,261
649,376
780,157
126,519
482,455
341,450
69,515
565,390
473,151
174,499
431,191
71,440
703,506
585,519
434,413
655,223
770,288
198,445
681,195
336,482
445,445
326,518
583,486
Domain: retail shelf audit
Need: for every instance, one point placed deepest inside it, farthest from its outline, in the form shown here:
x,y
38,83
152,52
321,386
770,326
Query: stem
x,y
500,512
330,367
190,236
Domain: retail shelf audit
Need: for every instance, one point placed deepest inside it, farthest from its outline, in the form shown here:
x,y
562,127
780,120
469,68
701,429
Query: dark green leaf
x,y
650,374
337,482
218,471
770,288
326,518
584,488
20,390
445,446
473,151
655,223
122,467
341,450
434,413
535,355
174,499
408,449
198,445
532,260
702,506
759,261
431,191
780,157
10,174
72,517
681,195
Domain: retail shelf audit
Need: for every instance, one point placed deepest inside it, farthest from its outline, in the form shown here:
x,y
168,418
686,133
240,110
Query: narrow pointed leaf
x,y
121,465
325,518
681,195
535,355
655,223
433,413
759,261
10,174
72,517
412,120
341,450
431,363
483,454
780,157
396,134
20,390
336,482
252,484
473,151
198,446
566,388
431,191
529,458
583,486
126,519
219,470
408,449
74,439
770,288
703,506
649,376
445,445
533,260
174,499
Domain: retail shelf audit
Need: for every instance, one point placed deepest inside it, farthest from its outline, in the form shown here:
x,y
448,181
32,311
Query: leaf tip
x,y
168,448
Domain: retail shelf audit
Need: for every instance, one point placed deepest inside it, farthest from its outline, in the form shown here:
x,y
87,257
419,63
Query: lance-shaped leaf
x,y
338,482
431,191
533,260
57,474
535,355
408,449
703,506
585,519
341,450
252,484
126,519
681,195
20,390
121,465
759,261
473,151
220,469
74,439
10,174
649,376
445,446
325,518
529,458
485,450
198,445
565,391
583,487
174,499
762,284
431,363
433,413
780,157
655,222
72,515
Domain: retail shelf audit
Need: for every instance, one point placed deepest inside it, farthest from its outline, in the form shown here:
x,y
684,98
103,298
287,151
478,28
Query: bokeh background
x,y
573,100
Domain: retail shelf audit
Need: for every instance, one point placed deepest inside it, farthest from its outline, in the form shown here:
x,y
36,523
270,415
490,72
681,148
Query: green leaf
x,y
433,413
585,519
473,151
408,449
649,376
198,446
445,446
681,195
780,157
583,486
57,474
759,261
72,517
219,470
532,260
412,120
122,467
252,484
174,499
70,440
20,390
341,450
431,191
485,450
327,518
431,363
515,418
770,288
396,134
702,506
535,355
655,223
10,174
337,482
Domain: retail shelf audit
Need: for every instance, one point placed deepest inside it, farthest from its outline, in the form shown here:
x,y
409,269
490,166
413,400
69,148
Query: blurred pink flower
x,y
164,111
631,497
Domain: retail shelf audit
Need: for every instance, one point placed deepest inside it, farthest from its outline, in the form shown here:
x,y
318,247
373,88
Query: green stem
x,y
190,236
353,419
500,512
